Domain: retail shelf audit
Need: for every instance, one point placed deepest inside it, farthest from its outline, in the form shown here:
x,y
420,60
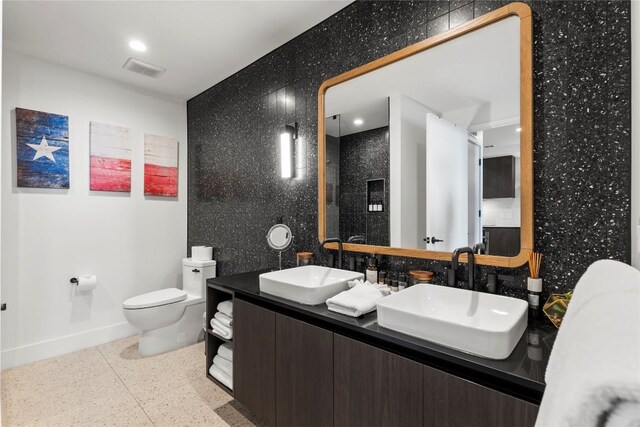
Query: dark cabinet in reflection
x,y
502,241
499,177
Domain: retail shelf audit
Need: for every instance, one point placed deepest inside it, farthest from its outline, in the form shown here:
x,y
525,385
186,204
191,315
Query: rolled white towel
x,y
225,351
224,319
219,329
221,376
224,364
593,375
226,307
359,300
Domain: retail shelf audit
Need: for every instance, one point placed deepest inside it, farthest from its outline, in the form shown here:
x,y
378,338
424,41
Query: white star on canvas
x,y
44,149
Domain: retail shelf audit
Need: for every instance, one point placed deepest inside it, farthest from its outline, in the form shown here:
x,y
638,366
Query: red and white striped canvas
x,y
110,168
160,166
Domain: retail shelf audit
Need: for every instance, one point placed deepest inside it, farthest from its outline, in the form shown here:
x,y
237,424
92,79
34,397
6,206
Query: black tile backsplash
x,y
582,142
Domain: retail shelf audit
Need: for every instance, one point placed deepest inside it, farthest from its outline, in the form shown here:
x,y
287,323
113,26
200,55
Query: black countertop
x,y
520,375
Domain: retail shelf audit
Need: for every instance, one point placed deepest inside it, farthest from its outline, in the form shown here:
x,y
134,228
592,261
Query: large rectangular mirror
x,y
429,149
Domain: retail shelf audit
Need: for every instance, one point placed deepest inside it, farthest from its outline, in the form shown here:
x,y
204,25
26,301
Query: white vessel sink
x,y
310,284
482,324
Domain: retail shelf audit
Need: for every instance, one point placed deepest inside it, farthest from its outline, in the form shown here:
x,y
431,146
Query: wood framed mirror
x,y
430,148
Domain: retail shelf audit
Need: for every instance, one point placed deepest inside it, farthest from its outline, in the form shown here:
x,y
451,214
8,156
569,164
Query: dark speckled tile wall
x,y
364,156
582,145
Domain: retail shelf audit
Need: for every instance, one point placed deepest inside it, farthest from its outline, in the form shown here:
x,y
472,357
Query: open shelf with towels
x,y
213,341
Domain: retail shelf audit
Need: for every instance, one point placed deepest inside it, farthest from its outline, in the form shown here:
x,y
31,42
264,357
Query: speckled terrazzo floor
x,y
112,385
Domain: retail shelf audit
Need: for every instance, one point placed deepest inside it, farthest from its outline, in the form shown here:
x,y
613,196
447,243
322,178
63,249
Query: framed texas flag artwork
x,y
160,166
42,149
110,167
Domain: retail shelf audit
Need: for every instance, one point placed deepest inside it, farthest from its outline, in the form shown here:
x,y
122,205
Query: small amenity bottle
x,y
372,270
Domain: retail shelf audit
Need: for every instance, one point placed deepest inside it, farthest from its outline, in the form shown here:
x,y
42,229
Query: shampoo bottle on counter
x,y
372,270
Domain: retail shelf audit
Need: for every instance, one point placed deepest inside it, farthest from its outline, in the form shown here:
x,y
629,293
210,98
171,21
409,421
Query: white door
x,y
447,181
475,193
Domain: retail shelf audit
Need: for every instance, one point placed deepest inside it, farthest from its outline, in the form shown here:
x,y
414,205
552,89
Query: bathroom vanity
x,y
297,365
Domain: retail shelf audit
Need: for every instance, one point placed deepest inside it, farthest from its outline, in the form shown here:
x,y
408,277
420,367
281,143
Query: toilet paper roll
x,y
87,283
201,253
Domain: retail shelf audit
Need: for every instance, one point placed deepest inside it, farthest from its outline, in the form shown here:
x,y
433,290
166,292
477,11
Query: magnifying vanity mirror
x,y
430,148
279,238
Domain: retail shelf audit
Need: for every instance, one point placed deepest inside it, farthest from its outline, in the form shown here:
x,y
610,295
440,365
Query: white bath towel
x,y
226,307
224,364
221,376
225,351
593,375
219,329
224,319
359,300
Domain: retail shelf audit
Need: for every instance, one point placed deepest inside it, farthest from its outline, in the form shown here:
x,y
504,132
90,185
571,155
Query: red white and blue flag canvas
x,y
42,149
160,166
110,158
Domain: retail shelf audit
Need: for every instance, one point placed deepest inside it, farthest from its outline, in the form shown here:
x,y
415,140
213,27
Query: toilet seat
x,y
155,299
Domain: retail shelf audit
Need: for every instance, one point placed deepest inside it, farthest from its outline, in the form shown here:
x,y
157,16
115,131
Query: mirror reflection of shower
x,y
332,173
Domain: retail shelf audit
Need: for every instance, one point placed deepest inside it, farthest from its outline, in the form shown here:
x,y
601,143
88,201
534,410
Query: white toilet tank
x,y
195,274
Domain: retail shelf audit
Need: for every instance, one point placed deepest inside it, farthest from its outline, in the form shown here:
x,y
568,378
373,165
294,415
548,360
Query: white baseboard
x,y
55,347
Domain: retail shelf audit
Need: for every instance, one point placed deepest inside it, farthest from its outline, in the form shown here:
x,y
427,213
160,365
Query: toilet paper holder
x,y
74,280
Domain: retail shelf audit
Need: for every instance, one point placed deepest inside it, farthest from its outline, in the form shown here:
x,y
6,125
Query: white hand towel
x,y
224,319
219,329
381,287
221,376
224,364
226,307
594,367
359,300
226,352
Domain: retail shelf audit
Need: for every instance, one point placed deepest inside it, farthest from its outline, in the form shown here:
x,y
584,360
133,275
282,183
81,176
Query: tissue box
x,y
556,307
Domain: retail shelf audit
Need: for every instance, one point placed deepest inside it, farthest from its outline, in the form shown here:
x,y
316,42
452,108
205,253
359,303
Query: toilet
x,y
171,318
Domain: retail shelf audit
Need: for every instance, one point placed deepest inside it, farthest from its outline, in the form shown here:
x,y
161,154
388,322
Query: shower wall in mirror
x,y
357,174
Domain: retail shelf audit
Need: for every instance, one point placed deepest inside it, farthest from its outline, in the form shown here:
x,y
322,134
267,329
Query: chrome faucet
x,y
332,240
454,263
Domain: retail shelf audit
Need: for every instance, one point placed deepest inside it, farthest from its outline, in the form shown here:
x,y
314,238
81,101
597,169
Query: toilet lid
x,y
156,298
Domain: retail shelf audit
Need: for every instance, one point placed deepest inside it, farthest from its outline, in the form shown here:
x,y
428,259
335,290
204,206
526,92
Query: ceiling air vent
x,y
143,68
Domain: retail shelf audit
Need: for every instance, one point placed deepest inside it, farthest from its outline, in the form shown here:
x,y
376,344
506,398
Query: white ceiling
x,y
200,43
501,141
472,80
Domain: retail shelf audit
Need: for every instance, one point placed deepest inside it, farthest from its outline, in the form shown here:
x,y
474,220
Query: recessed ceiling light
x,y
358,122
137,45
518,129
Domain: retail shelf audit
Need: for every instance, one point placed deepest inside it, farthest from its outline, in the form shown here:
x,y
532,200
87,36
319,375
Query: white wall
x,y
133,243
407,139
1,300
635,134
503,212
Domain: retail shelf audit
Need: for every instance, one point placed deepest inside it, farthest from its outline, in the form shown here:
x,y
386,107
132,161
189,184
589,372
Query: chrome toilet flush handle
x,y
195,270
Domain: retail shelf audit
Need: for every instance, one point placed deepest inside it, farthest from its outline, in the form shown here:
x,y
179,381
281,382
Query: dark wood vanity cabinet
x,y
499,177
450,401
254,359
291,373
373,387
304,370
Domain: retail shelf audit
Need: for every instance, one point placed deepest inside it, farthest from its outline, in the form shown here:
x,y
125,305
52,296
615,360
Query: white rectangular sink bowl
x,y
478,323
310,284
